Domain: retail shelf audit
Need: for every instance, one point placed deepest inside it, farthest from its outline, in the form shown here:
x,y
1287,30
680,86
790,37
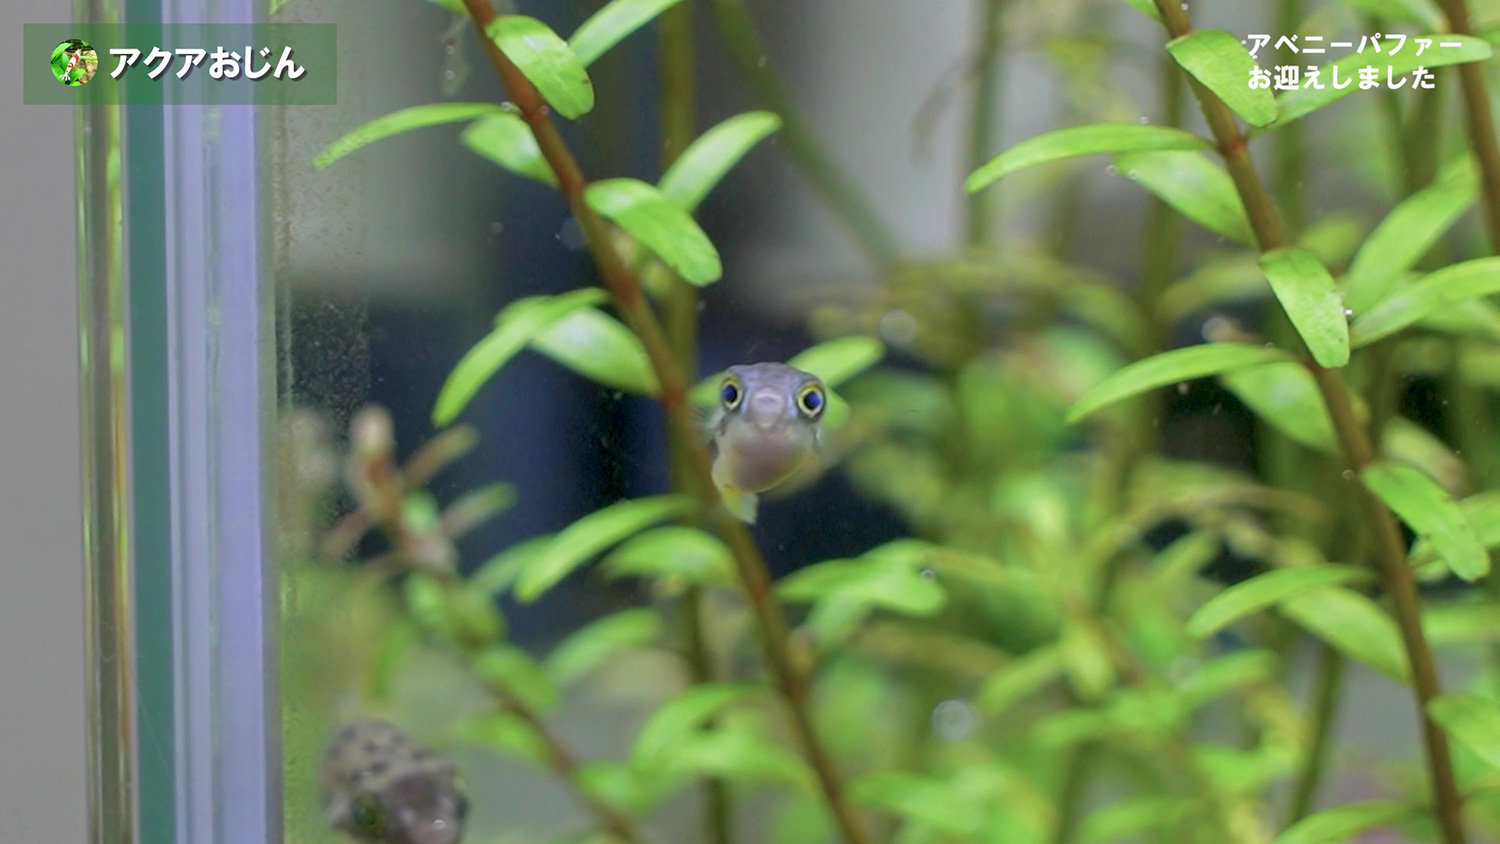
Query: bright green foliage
x,y
1195,186
1307,294
598,347
577,543
1344,823
1432,513
1098,139
611,24
1284,395
405,120
1170,368
593,645
1266,590
839,360
1216,59
1352,623
704,164
506,140
1473,721
547,61
516,326
1443,288
662,225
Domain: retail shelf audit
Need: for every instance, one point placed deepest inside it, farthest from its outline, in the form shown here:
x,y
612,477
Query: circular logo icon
x,y
74,62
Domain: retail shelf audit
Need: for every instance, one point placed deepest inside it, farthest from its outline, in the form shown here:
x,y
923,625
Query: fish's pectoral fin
x,y
741,505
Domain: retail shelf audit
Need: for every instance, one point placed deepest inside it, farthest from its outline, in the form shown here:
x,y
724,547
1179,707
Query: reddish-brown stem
x,y
1481,123
630,300
1396,574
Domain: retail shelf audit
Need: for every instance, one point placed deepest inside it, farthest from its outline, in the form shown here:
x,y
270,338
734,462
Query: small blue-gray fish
x,y
381,786
765,429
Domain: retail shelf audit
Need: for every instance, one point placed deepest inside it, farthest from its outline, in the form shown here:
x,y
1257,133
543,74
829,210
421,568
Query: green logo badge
x,y
74,62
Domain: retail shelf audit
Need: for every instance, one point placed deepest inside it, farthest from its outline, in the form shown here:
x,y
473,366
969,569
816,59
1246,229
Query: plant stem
x,y
737,31
1326,696
1396,575
629,298
678,110
1481,124
563,763
980,220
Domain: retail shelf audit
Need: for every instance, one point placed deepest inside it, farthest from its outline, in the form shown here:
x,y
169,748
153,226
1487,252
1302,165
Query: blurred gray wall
x,y
42,798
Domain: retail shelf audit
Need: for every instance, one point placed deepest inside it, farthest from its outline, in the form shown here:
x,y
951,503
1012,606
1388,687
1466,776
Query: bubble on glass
x,y
1348,474
898,327
1112,170
1182,388
571,234
928,573
1348,312
953,720
1131,174
497,227
1144,120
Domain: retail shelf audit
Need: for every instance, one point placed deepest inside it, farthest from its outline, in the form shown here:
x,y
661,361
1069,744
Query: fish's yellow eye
x,y
367,814
731,393
810,401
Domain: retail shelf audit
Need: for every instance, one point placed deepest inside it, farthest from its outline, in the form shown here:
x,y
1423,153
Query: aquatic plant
x,y
1084,639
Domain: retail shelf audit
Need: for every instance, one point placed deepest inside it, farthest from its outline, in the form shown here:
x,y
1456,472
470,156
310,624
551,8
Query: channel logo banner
x,y
181,64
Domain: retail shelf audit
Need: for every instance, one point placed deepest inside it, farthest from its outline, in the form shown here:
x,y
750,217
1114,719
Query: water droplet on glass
x,y
1348,312
928,573
1131,174
571,235
449,48
1184,7
497,227
617,395
1182,388
1112,170
1145,119
448,74
1347,474
953,720
761,62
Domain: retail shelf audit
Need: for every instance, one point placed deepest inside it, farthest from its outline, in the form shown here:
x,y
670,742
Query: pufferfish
x,y
381,786
765,428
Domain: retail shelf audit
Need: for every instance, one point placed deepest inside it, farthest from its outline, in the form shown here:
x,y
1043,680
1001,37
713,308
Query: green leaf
x,y
503,733
739,756
1219,61
1094,139
515,327
1147,8
590,535
1419,12
925,800
1432,513
611,24
662,225
506,140
1334,238
1257,593
1353,624
1437,290
600,348
1285,395
1220,676
547,61
1407,233
1195,186
1311,300
1473,721
1465,623
673,552
499,572
895,587
1169,368
836,361
613,783
591,646
1299,103
703,164
677,719
1342,823
405,120
1020,678
1130,820
1230,278
512,669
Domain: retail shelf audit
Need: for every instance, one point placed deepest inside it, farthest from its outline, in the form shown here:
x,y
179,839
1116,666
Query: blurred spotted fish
x,y
381,786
